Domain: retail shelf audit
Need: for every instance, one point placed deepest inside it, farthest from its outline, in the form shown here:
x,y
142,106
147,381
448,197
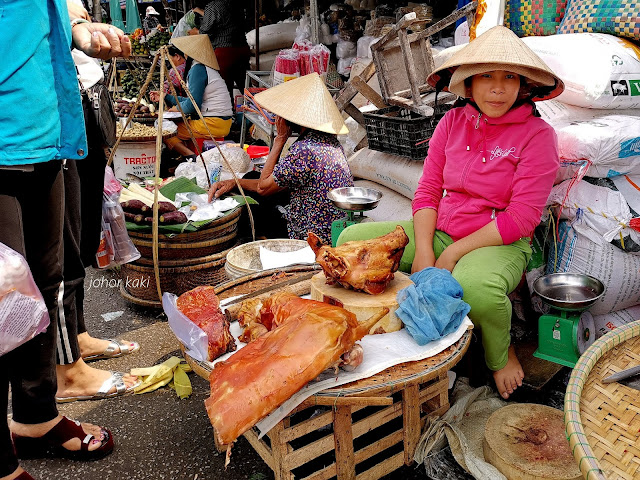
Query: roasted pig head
x,y
202,307
309,337
363,265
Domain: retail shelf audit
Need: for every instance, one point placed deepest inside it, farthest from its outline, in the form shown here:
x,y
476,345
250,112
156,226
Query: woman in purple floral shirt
x,y
315,163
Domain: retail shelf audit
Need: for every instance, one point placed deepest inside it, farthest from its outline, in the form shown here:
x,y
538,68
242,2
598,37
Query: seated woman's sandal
x,y
50,444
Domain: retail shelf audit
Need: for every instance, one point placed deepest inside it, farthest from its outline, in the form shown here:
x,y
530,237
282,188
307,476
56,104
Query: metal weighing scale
x,y
352,200
567,331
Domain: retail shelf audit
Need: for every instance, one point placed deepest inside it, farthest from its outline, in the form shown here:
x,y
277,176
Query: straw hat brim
x,y
199,48
304,101
497,49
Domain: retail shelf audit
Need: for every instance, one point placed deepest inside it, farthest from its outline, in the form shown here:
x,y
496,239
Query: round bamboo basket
x,y
212,230
181,251
138,283
603,420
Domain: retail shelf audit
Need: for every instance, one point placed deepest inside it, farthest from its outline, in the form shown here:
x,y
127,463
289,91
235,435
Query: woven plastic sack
x,y
23,313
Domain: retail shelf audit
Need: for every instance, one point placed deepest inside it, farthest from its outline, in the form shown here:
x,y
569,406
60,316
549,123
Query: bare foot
x,y
95,346
509,377
39,429
79,379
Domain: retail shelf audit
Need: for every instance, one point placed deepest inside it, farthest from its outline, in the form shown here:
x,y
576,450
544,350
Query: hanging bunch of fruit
x,y
158,39
138,47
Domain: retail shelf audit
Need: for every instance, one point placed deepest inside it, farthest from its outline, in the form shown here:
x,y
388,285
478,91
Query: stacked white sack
x,y
617,270
598,70
597,212
609,139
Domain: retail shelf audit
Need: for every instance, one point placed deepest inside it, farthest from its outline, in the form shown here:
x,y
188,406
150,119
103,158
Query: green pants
x,y
487,275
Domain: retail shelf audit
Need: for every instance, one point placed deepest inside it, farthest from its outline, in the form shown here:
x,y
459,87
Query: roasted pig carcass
x,y
202,307
262,375
256,319
363,265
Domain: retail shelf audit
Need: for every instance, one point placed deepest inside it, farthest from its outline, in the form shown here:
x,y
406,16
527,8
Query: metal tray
x,y
569,291
356,199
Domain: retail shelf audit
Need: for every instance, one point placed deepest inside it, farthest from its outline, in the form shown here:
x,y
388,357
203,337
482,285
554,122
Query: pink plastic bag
x,y
23,313
286,66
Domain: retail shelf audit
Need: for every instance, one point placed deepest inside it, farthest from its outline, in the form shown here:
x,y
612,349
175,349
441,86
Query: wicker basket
x,y
603,420
192,250
138,282
213,230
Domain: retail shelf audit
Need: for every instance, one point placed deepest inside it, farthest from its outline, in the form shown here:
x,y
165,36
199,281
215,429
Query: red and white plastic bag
x,y
23,313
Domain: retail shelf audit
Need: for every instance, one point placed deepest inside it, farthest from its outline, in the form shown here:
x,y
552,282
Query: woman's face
x,y
495,92
178,59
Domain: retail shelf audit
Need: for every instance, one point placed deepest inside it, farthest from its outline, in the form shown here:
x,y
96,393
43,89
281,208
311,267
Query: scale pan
x,y
569,291
356,199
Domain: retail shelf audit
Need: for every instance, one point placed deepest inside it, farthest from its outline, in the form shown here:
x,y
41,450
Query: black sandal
x,y
50,444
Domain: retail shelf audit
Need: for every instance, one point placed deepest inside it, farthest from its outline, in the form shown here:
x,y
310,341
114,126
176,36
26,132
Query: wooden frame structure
x,y
403,61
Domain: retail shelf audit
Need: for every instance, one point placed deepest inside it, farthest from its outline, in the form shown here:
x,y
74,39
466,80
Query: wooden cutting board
x,y
527,441
362,304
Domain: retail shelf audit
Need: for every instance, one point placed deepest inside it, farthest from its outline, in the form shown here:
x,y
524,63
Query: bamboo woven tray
x,y
603,420
390,380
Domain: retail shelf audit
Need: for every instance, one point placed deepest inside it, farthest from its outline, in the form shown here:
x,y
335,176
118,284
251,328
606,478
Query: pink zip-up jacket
x,y
479,169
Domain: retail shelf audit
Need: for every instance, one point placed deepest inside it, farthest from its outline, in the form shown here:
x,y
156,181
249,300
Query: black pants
x,y
83,186
32,206
269,220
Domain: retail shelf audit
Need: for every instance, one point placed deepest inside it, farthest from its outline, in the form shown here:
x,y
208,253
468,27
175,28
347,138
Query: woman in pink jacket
x,y
489,170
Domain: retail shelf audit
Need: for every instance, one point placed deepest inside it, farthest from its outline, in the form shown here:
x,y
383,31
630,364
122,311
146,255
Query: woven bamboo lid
x,y
603,420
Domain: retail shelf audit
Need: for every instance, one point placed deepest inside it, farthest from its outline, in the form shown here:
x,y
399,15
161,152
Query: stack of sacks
x,y
272,39
346,52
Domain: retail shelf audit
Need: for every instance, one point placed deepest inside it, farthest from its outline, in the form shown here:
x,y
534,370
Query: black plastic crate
x,y
397,130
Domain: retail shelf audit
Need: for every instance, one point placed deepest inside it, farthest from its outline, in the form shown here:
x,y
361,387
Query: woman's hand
x,y
422,261
220,188
154,96
448,258
283,128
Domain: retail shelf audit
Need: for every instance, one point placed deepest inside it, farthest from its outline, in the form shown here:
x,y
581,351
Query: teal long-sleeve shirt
x,y
197,81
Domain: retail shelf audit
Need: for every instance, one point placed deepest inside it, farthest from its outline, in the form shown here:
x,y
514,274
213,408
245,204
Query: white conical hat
x,y
306,102
199,48
496,49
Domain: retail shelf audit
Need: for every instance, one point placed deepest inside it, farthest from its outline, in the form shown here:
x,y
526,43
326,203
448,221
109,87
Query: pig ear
x,y
314,242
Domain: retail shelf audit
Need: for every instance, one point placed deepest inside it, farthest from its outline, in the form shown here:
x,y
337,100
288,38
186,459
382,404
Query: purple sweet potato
x,y
172,218
163,207
130,217
133,206
140,219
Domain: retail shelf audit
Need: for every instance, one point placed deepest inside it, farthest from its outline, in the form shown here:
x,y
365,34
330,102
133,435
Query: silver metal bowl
x,y
355,199
569,291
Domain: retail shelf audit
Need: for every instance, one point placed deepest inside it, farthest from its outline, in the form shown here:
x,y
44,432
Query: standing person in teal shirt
x,y
42,124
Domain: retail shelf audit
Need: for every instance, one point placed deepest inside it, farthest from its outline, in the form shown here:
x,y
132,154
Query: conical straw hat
x,y
306,102
496,49
199,48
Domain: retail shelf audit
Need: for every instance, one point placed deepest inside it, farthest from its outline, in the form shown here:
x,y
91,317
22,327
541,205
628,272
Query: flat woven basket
x,y
603,420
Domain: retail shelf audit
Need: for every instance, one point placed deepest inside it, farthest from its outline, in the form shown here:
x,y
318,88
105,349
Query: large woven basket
x,y
138,283
603,420
213,230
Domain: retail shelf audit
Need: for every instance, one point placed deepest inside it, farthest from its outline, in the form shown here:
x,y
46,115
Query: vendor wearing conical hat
x,y
315,162
208,90
489,170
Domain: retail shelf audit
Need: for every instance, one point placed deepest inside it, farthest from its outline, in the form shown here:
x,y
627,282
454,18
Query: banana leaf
x,y
184,185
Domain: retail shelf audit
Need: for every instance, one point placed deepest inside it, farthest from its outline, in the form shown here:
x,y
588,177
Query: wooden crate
x,y
357,441
403,61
